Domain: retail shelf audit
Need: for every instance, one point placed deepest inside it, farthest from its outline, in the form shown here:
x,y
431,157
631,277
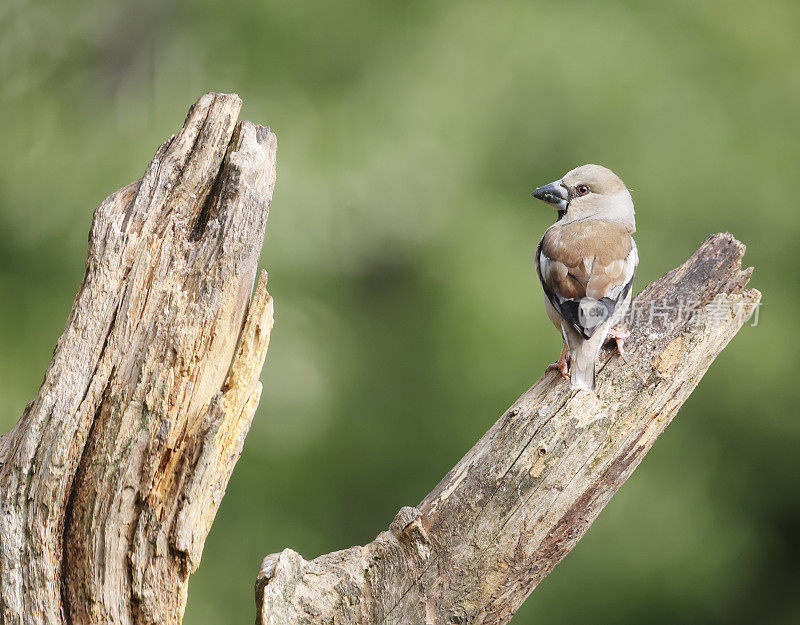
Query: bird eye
x,y
582,189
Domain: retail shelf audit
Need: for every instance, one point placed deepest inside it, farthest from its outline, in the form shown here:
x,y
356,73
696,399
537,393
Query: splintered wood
x,y
113,476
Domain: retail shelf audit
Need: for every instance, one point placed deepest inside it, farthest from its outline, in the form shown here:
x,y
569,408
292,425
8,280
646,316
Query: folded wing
x,y
586,269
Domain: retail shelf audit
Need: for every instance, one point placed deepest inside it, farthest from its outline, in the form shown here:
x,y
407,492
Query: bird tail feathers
x,y
581,373
583,355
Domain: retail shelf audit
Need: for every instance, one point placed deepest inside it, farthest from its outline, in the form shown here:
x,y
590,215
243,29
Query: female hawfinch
x,y
586,261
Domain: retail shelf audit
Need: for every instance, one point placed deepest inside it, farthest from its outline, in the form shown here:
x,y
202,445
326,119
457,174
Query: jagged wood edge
x,y
163,336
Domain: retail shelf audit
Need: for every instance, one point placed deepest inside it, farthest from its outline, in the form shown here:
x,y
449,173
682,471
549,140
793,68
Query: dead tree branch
x,y
522,497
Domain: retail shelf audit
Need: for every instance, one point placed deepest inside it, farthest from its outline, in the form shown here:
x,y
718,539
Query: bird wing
x,y
586,269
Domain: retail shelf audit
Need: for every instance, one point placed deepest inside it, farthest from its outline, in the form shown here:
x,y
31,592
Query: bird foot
x,y
562,364
619,337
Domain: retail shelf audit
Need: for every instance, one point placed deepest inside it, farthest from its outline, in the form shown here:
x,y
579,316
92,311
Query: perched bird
x,y
586,262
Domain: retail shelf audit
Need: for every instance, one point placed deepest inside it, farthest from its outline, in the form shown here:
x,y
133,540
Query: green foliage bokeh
x,y
399,246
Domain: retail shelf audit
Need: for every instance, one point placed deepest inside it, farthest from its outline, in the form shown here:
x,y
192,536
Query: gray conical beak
x,y
554,194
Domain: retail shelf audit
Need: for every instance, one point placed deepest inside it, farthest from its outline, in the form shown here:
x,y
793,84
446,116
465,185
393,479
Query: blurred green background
x,y
399,246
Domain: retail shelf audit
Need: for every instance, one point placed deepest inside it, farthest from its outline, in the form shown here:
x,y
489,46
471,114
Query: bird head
x,y
589,192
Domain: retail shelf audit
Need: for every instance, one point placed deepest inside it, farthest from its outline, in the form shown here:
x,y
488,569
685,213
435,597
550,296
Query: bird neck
x,y
624,218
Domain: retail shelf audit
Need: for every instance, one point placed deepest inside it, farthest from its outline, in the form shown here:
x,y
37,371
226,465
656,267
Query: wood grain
x,y
111,479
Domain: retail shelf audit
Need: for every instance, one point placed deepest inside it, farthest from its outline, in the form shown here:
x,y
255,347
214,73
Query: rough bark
x,y
521,498
114,473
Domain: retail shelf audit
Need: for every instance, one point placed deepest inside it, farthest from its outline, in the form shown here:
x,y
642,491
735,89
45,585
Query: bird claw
x,y
619,337
561,365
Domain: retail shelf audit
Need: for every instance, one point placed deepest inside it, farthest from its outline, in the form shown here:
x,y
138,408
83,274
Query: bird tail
x,y
583,355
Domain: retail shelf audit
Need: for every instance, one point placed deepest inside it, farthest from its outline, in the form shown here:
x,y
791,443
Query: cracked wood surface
x,y
521,498
113,475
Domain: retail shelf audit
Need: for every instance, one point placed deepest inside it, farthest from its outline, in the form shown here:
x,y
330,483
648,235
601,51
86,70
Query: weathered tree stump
x,y
111,479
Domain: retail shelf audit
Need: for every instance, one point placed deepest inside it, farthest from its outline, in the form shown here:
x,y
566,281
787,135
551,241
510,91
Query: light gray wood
x,y
521,498
112,477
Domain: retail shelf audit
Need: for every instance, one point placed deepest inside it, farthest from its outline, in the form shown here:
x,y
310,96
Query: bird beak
x,y
554,194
